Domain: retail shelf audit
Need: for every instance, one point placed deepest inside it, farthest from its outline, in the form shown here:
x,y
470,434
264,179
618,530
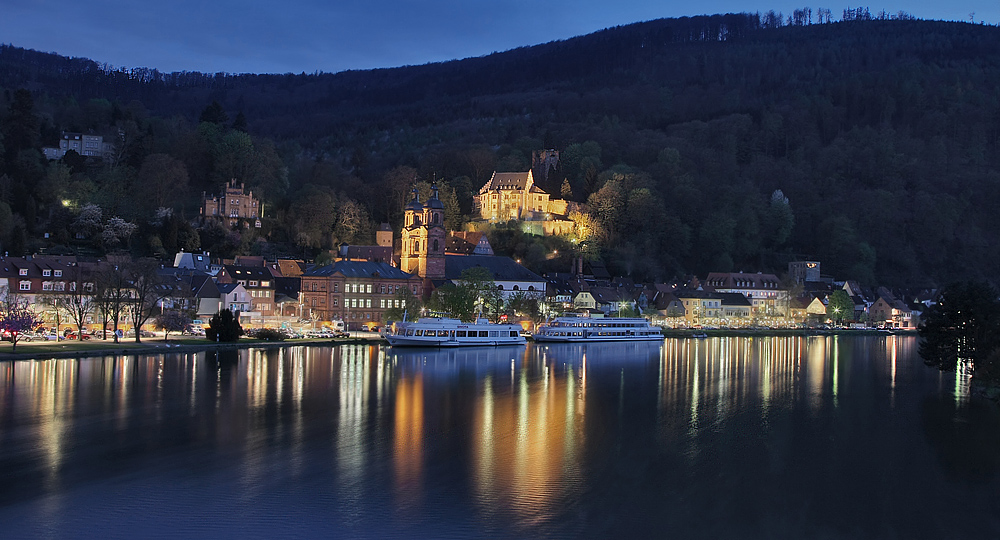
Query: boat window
x,y
442,333
513,333
494,333
418,332
460,333
409,332
484,333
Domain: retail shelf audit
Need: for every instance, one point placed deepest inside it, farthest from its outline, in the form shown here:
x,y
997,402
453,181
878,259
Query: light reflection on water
x,y
711,437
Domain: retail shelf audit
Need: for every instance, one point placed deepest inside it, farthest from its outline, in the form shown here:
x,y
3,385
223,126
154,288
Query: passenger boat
x,y
586,329
440,332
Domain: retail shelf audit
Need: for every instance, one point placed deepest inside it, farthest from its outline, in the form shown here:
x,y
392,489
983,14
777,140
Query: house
x,y
509,276
699,306
735,306
235,298
890,312
193,261
807,308
611,301
85,144
259,284
467,243
357,292
764,291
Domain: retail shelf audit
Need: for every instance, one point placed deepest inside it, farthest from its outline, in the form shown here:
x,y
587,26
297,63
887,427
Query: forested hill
x,y
882,135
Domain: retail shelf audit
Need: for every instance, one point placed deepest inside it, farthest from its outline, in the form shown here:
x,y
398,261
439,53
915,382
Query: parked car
x,y
80,337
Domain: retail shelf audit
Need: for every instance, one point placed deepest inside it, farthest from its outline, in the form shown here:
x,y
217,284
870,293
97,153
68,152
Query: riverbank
x,y
43,350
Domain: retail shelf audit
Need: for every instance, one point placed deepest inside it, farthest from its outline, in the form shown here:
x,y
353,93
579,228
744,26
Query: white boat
x,y
586,329
439,332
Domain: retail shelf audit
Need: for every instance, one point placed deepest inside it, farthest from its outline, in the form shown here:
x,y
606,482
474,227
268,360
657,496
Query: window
x,y
57,273
265,283
22,272
336,302
314,286
46,285
25,286
47,272
354,302
368,303
336,287
369,288
253,282
435,241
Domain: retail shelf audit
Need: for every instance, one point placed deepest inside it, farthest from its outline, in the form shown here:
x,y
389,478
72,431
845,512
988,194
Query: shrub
x,y
224,327
267,334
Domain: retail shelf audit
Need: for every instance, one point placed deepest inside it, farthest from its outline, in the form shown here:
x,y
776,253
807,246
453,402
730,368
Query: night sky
x,y
255,36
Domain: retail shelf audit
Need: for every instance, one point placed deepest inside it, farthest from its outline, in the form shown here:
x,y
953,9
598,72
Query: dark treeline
x,y
715,143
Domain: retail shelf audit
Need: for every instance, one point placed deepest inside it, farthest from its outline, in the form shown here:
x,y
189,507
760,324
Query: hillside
x,y
881,135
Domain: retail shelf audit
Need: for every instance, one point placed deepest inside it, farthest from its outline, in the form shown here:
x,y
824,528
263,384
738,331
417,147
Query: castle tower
x,y
383,236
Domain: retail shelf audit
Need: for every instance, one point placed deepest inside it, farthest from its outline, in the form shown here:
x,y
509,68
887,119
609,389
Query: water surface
x,y
820,437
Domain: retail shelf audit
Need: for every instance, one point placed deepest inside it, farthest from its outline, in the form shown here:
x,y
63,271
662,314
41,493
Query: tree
x,y
214,114
474,294
143,293
840,306
162,180
79,299
17,317
224,327
110,296
117,232
172,320
408,306
963,325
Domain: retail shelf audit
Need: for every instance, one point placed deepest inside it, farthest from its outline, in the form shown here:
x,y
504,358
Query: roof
x,y
248,272
370,253
226,288
507,181
741,280
468,243
359,269
735,299
501,268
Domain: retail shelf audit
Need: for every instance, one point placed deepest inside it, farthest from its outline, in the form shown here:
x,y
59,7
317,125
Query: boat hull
x,y
542,338
443,342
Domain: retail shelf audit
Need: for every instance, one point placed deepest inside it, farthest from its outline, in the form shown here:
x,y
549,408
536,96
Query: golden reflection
x,y
706,381
408,438
528,440
352,417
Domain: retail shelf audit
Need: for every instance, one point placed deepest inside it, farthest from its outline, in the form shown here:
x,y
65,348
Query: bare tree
x,y
79,300
110,294
144,292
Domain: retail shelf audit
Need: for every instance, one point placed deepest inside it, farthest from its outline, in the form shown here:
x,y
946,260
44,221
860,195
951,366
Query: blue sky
x,y
255,36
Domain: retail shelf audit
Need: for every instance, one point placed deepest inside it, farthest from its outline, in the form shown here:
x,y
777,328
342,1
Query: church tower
x,y
432,263
423,237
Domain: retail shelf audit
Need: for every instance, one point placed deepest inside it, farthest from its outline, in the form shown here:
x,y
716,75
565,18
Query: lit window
x,y
22,272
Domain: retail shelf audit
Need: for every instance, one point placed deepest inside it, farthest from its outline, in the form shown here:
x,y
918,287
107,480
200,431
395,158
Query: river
x,y
790,437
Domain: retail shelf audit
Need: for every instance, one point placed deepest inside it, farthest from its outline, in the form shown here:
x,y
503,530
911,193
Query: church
x,y
423,253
